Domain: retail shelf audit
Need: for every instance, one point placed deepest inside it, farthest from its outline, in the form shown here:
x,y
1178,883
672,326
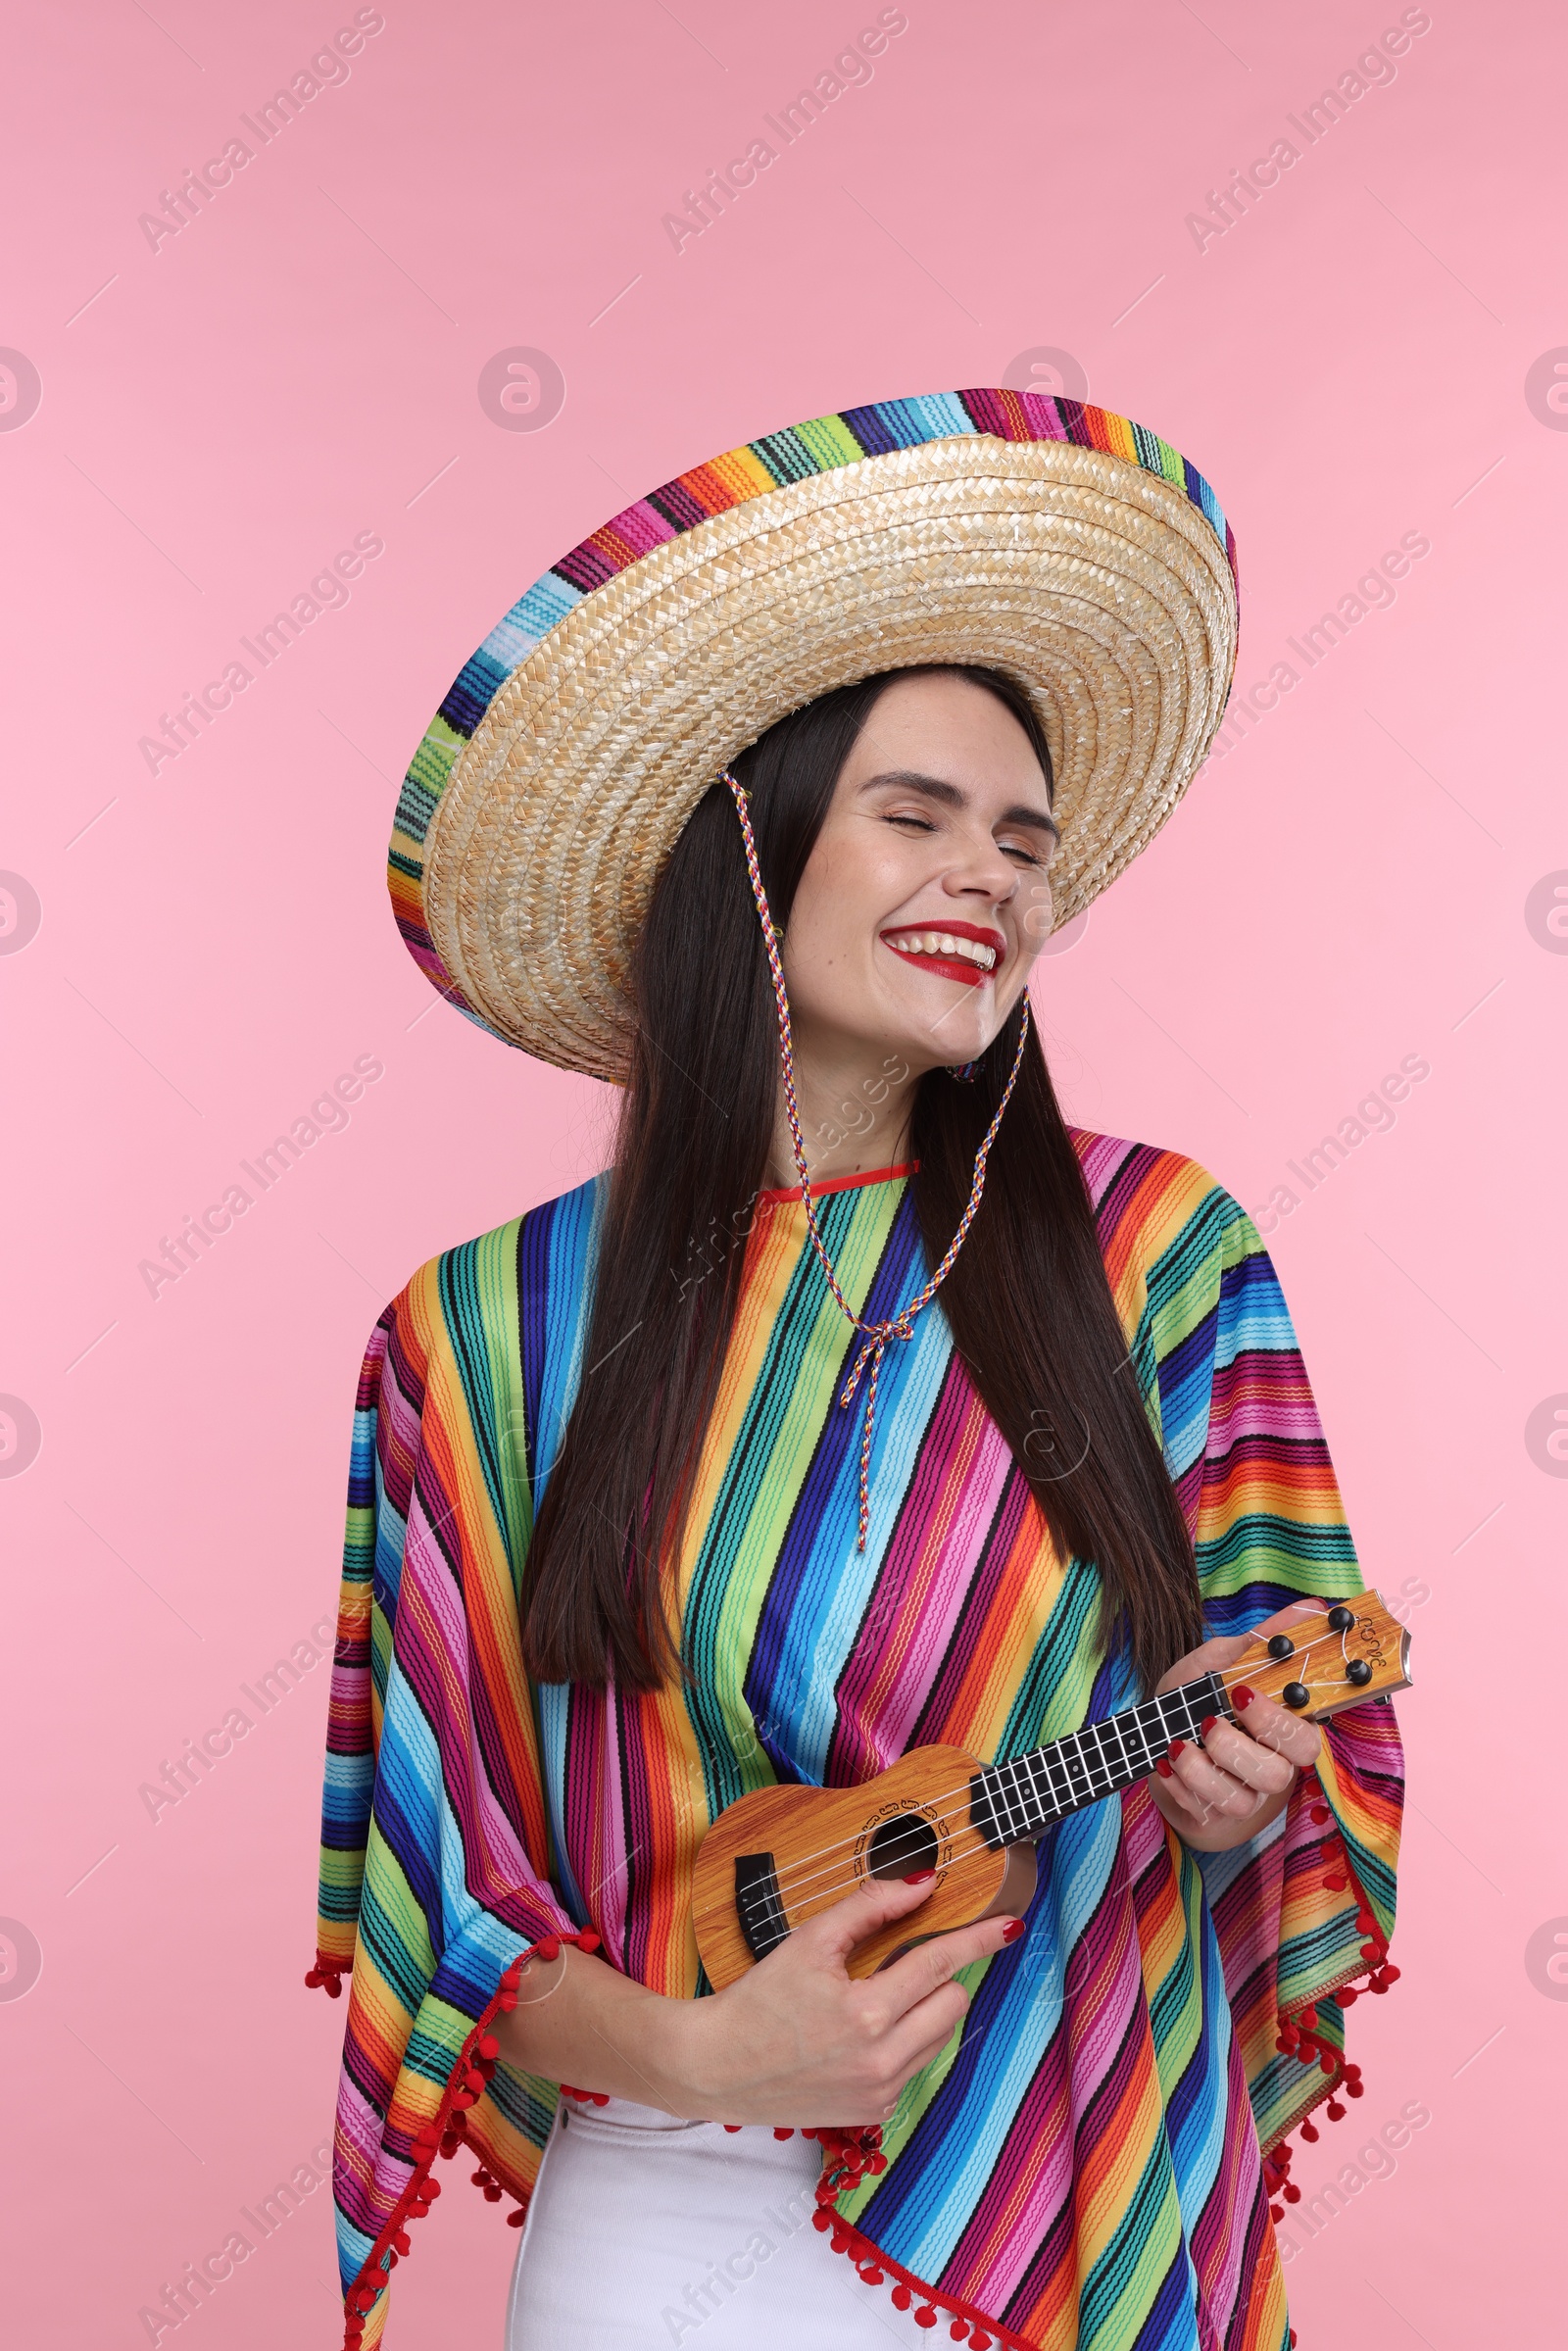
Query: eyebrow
x,y
948,795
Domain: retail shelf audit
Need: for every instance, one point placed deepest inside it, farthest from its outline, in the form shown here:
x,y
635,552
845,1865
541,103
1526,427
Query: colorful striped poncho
x,y
1080,2170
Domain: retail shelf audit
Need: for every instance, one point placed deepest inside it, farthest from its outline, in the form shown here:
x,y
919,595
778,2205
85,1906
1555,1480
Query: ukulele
x,y
782,1854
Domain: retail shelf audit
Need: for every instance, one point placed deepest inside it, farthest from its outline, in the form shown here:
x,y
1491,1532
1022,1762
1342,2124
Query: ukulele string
x,y
846,1844
826,1900
1234,1680
794,1882
962,1853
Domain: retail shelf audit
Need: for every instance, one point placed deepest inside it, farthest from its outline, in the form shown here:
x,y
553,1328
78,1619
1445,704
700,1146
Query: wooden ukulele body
x,y
826,1842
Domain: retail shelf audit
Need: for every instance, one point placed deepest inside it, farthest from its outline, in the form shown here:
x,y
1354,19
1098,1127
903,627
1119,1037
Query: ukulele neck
x,y
1024,1796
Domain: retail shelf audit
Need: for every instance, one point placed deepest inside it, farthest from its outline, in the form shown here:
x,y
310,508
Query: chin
x,y
934,1026
958,1031
947,1048
962,1037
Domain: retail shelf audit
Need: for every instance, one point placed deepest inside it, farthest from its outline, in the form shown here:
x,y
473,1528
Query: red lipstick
x,y
906,939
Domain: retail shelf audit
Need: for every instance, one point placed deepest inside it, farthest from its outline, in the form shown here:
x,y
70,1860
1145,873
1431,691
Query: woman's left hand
x,y
1224,1792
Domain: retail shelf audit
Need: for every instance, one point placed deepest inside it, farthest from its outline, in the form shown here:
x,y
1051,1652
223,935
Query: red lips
x,y
948,967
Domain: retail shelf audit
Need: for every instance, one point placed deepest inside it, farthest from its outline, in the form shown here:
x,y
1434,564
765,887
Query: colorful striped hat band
x,y
1061,542
876,1335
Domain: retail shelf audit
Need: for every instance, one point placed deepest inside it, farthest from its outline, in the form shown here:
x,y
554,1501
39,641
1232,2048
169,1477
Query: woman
x,y
863,1406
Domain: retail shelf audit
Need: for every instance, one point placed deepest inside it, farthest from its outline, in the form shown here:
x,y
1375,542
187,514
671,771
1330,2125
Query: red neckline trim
x,y
876,1175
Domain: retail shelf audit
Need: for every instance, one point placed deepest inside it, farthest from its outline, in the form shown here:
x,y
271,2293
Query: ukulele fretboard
x,y
1024,1795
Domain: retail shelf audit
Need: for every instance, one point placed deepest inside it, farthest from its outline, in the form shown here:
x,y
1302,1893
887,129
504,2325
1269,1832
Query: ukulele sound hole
x,y
902,1846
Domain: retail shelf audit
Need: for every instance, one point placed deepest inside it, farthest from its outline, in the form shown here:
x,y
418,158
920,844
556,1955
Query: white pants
x,y
647,2234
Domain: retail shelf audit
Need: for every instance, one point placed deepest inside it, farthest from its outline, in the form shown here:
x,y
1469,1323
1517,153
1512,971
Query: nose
x,y
980,870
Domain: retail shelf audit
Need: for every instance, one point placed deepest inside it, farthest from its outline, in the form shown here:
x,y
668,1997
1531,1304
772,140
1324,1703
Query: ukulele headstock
x,y
1351,1650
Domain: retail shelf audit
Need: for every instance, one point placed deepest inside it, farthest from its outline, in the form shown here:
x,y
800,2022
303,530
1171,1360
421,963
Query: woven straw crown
x,y
1058,542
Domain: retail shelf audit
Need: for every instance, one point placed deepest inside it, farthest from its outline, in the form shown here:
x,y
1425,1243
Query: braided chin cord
x,y
877,1336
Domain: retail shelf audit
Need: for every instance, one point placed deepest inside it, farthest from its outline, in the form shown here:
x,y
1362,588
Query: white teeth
x,y
943,943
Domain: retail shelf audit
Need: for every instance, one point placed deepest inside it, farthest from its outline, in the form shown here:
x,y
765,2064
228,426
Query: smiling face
x,y
925,898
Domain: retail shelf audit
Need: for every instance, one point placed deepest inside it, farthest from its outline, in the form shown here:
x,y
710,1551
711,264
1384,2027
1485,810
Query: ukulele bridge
x,y
757,1903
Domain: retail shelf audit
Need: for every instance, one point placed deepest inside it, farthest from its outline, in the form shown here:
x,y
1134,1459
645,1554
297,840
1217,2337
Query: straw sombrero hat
x,y
1058,542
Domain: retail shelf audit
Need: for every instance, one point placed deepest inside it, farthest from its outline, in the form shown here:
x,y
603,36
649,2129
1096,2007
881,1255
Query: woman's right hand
x,y
797,2040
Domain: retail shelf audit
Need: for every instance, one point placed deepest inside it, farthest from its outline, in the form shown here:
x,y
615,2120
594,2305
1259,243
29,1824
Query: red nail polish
x,y
1012,1930
1207,1725
1241,1697
1177,1748
918,1877
1165,1770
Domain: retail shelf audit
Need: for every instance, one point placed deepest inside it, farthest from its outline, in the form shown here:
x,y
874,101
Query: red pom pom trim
x,y
1299,2036
849,2156
443,2133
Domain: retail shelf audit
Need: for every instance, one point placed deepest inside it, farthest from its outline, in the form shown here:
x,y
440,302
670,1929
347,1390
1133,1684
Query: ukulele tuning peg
x,y
1340,1619
1295,1695
1282,1646
1359,1671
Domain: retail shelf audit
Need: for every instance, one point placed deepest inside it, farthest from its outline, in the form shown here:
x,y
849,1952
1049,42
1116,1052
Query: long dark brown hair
x,y
1027,1302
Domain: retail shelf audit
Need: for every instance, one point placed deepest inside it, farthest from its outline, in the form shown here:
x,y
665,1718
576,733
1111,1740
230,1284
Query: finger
x,y
1215,1788
919,2039
1292,1613
1274,1726
1260,1763
1211,1657
923,1971
924,2030
832,1934
1173,1791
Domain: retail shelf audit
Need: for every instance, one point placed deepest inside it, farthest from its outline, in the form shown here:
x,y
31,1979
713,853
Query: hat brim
x,y
1099,585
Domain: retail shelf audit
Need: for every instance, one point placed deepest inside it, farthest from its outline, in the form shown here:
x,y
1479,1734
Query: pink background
x,y
1349,886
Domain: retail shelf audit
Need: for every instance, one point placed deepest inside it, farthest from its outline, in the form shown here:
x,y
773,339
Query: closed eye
x,y
1020,849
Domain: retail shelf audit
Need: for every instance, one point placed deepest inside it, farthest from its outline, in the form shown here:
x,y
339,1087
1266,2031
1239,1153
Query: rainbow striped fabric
x,y
818,446
1081,2167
